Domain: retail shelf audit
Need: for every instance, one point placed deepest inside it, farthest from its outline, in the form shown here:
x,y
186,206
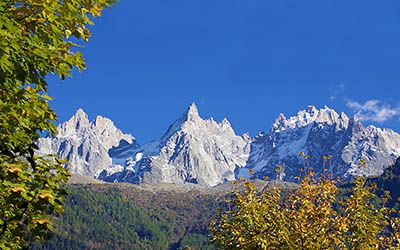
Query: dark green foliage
x,y
390,181
194,240
37,38
115,217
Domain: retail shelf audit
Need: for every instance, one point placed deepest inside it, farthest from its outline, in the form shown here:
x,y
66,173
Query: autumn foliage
x,y
313,216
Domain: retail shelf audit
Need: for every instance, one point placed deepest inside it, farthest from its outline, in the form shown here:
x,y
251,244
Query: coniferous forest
x,y
125,216
100,216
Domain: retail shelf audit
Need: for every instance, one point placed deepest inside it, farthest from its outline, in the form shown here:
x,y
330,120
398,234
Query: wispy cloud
x,y
337,91
373,110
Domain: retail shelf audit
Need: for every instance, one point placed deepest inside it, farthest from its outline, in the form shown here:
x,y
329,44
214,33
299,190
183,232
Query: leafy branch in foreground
x,y
37,38
311,217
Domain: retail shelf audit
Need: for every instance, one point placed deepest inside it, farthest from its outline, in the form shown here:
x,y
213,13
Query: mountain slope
x,y
319,133
390,181
124,216
85,144
192,150
206,152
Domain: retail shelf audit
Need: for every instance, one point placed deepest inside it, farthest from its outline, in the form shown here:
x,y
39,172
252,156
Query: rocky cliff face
x,y
192,150
85,144
206,152
318,133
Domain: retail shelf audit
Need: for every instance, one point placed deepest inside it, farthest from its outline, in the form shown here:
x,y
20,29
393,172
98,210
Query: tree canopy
x,y
314,216
37,38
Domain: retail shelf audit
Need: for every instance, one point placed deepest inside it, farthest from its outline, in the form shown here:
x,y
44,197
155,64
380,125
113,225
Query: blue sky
x,y
244,60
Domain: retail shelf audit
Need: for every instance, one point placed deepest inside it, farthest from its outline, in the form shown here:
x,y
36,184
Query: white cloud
x,y
337,91
373,110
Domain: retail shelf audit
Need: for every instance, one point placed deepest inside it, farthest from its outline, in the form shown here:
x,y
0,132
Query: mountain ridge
x,y
319,133
191,150
206,152
85,144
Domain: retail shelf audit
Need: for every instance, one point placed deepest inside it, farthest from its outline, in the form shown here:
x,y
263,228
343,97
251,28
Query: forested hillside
x,y
105,216
390,181
154,216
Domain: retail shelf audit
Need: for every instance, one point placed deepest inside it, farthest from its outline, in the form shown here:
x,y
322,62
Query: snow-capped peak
x,y
310,115
225,123
192,113
78,122
192,150
322,132
108,133
193,108
80,113
85,144
207,152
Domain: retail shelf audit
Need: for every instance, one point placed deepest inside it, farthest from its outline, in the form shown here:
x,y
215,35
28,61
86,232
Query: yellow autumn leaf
x,y
42,221
15,170
17,189
45,196
68,33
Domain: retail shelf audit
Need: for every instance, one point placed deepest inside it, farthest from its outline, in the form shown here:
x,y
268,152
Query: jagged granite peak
x,y
318,133
108,134
225,123
192,111
85,144
192,150
190,115
77,123
208,152
379,147
303,118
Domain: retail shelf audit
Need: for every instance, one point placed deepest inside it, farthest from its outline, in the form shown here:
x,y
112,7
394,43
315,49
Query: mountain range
x,y
208,153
